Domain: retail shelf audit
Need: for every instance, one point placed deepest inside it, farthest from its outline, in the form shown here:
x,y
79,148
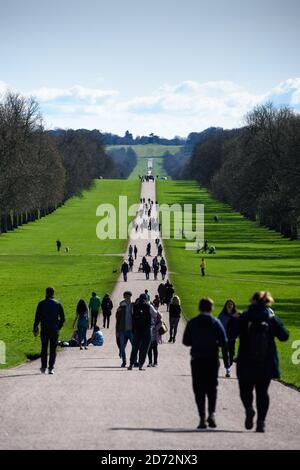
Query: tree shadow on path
x,y
177,430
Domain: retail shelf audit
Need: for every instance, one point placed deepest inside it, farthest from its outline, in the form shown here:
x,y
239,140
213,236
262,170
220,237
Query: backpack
x,y
140,318
106,304
258,340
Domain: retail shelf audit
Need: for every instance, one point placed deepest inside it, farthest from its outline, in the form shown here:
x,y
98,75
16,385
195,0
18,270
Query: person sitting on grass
x,y
97,338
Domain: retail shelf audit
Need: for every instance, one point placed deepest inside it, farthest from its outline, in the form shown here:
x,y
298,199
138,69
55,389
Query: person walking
x,y
130,263
159,250
169,292
94,307
124,270
153,348
144,261
228,315
203,267
141,324
156,302
174,317
257,361
147,270
161,292
147,295
148,250
130,250
107,307
82,320
50,315
163,271
124,324
155,270
58,245
205,334
135,250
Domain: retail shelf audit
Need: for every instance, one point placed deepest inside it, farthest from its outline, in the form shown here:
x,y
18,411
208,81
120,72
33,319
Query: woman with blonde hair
x,y
174,317
257,362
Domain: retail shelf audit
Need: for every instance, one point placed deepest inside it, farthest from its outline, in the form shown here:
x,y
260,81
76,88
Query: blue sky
x,y
165,66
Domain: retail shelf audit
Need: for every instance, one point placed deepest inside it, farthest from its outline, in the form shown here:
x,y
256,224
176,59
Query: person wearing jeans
x,y
124,324
82,319
141,326
50,315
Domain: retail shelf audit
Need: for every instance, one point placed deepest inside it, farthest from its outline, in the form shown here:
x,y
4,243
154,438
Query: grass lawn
x,y
144,152
248,258
29,263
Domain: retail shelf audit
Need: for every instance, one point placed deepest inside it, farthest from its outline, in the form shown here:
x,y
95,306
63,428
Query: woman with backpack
x,y
174,317
229,315
257,362
82,319
107,307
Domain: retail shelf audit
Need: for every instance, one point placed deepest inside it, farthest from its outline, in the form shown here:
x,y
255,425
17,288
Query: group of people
x,y
156,265
141,324
257,359
51,318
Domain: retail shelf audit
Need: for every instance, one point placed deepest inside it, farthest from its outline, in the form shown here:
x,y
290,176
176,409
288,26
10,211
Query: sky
x,y
164,66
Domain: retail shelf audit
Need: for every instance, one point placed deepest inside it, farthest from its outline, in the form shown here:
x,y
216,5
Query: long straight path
x,y
92,403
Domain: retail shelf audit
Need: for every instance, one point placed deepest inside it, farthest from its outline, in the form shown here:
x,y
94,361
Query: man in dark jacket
x,y
257,362
124,324
161,292
141,326
50,314
124,270
168,293
205,334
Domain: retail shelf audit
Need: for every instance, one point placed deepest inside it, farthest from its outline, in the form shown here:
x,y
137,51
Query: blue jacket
x,y
205,334
50,314
247,368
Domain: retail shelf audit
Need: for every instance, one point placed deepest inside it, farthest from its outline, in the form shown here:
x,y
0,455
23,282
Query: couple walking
x,y
138,322
257,361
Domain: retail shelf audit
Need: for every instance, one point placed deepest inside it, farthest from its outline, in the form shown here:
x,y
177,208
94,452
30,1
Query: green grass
x,y
153,151
29,263
248,258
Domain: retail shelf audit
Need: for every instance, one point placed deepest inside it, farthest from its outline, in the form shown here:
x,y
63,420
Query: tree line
x,y
128,139
39,169
255,169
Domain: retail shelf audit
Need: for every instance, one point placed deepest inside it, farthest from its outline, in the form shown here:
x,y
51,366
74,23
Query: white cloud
x,y
91,95
172,109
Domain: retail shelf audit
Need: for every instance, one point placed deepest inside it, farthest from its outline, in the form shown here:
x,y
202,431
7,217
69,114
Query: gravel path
x,y
91,403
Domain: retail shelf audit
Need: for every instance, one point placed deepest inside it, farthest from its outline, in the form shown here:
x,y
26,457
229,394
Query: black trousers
x,y
94,318
106,319
231,350
141,344
205,383
48,338
262,397
153,349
